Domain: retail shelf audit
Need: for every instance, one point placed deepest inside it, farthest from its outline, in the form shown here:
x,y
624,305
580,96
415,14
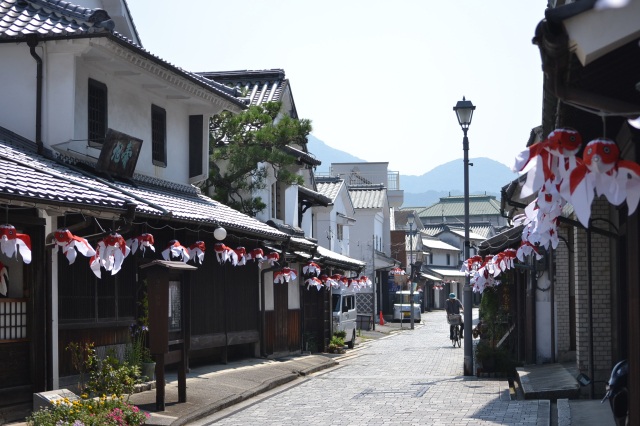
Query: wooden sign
x,y
119,154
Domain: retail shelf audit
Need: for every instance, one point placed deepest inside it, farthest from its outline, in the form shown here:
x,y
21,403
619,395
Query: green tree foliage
x,y
239,143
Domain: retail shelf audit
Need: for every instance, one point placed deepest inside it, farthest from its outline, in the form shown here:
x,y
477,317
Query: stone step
x,y
547,381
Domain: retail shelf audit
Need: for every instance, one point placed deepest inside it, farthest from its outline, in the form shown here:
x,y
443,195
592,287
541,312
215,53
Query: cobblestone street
x,y
410,377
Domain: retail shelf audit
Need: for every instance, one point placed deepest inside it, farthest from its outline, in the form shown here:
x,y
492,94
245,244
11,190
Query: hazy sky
x,y
378,79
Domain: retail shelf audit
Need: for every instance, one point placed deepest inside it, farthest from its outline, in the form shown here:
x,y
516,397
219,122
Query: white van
x,y
345,313
402,306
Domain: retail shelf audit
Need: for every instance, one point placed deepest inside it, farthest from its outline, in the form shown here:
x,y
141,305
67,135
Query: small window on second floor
x,y
431,258
277,201
96,113
448,259
340,231
158,136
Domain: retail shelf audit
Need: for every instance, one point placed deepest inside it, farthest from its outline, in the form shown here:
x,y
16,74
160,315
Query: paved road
x,y
411,377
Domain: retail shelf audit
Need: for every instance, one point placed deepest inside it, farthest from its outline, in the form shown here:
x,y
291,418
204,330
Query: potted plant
x,y
336,344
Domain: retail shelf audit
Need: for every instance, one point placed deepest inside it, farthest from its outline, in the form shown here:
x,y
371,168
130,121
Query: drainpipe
x,y
32,42
552,285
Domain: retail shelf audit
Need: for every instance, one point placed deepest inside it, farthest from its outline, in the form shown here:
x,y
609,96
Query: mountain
x,y
328,155
485,176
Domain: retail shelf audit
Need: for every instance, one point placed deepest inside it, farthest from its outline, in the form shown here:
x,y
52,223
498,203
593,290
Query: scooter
x,y
618,394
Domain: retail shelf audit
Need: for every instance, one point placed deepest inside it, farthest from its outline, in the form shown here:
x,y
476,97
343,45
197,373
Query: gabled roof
x,y
368,196
313,198
329,186
253,87
21,20
454,206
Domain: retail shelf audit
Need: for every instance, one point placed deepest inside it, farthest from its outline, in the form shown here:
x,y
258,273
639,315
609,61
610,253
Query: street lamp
x,y
464,111
410,220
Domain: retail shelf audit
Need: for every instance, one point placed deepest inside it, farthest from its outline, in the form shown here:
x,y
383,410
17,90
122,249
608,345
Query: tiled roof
x,y
34,180
313,197
368,196
481,231
401,217
329,256
302,156
196,209
21,18
460,233
437,244
445,272
329,186
254,87
454,206
60,19
509,238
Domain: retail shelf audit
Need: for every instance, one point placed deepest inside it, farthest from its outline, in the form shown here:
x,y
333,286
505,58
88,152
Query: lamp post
x,y
464,111
410,220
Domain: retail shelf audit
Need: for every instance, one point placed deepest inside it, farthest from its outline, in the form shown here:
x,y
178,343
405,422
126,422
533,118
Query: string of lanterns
x,y
558,176
111,251
319,281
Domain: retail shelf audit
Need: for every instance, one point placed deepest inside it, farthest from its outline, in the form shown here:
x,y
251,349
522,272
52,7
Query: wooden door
x,y
281,308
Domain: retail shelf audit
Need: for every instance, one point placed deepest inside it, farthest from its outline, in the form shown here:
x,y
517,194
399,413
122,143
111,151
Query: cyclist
x,y
454,306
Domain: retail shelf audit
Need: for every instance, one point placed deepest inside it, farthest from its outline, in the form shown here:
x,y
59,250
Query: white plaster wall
x,y
291,205
293,288
64,114
18,89
440,257
59,98
374,172
543,320
268,291
129,109
362,233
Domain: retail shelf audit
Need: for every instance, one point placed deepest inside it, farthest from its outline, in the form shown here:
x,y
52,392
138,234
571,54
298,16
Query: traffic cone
x,y
381,319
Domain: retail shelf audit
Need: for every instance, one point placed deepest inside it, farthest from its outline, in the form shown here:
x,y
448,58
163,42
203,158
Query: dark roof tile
x,y
34,179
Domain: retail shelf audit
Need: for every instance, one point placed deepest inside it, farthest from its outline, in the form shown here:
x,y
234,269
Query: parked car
x,y
402,306
345,313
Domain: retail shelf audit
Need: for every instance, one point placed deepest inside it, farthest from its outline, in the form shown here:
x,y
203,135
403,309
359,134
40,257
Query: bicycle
x,y
455,320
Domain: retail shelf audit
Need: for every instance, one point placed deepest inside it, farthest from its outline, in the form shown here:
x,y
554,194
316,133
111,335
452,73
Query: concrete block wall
x,y
562,296
601,283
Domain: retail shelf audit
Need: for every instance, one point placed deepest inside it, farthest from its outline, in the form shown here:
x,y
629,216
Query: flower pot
x,y
148,369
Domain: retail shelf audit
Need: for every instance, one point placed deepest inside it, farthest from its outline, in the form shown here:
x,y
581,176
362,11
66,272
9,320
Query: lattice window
x,y
97,112
13,319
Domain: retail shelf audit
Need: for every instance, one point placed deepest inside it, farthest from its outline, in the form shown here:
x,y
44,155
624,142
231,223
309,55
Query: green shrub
x,y
107,376
112,377
336,341
341,334
101,411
